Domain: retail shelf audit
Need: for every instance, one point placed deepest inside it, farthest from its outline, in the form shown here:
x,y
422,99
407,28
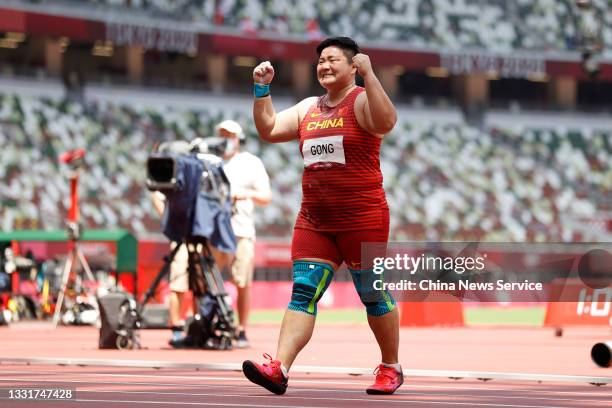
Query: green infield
x,y
505,315
474,316
347,316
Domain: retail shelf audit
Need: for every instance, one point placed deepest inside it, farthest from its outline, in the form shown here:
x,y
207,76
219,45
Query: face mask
x,y
231,146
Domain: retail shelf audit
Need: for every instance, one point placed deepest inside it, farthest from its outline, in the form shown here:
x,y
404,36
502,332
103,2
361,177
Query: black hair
x,y
346,44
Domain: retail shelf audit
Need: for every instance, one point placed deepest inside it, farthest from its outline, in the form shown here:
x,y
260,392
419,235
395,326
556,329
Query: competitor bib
x,y
329,149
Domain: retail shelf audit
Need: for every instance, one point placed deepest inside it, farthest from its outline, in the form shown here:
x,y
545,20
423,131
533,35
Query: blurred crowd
x,y
520,184
443,181
495,25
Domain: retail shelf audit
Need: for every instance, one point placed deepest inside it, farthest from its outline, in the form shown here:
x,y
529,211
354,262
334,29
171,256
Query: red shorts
x,y
336,246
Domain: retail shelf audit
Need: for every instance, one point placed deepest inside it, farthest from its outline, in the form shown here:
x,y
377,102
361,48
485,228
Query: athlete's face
x,y
334,68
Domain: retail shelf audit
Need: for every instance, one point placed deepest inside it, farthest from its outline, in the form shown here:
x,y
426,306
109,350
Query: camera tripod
x,y
74,256
75,160
204,279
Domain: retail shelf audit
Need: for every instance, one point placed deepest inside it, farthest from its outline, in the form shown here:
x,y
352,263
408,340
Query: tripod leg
x,y
162,273
84,264
60,295
214,283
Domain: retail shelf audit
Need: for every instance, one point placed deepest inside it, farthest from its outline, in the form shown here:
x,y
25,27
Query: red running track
x,y
501,349
97,387
516,350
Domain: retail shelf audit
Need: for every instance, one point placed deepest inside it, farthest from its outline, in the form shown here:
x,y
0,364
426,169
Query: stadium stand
x,y
445,180
493,25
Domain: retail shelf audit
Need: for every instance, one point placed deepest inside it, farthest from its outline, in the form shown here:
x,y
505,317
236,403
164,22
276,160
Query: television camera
x,y
197,214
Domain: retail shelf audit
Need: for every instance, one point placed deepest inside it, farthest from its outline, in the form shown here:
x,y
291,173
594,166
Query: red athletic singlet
x,y
342,182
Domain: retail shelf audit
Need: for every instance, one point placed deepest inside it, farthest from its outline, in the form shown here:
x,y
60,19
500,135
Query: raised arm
x,y
272,127
374,110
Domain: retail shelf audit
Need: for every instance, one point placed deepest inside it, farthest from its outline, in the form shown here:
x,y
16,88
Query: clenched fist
x,y
363,64
263,73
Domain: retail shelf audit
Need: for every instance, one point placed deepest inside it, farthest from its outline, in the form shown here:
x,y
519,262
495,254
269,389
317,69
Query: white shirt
x,y
245,171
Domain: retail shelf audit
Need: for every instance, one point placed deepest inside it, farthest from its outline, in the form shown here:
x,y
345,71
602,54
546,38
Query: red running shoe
x,y
387,381
268,375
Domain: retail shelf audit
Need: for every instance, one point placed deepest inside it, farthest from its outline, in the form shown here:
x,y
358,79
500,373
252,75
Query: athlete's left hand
x,y
363,64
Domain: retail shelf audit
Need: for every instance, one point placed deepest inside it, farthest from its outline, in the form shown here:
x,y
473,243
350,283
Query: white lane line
x,y
240,379
250,386
180,377
310,369
206,404
342,399
225,404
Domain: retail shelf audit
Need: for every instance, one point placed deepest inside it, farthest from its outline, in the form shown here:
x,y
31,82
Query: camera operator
x,y
250,186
